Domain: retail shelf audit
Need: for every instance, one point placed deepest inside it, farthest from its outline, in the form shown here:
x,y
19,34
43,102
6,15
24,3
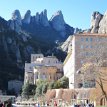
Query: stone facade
x,y
45,68
84,47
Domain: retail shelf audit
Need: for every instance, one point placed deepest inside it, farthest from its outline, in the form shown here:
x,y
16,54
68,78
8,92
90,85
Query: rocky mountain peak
x,y
103,24
58,13
40,19
57,21
16,22
43,18
27,17
45,12
37,18
16,16
99,23
95,19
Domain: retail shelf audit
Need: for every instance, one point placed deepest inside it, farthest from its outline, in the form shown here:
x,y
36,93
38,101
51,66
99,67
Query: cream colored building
x,y
84,47
46,68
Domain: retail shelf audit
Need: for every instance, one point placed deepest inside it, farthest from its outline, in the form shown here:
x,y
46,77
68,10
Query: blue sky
x,y
76,13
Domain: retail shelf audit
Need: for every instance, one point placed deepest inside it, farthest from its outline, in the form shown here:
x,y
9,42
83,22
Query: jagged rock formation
x,y
16,21
37,18
95,19
67,45
77,30
17,17
58,22
27,17
103,24
43,18
98,23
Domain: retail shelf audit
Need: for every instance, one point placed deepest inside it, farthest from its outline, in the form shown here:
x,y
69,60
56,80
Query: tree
x,y
28,89
64,82
39,90
96,71
57,85
51,85
44,88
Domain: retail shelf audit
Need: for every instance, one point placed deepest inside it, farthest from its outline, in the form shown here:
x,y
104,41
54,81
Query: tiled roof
x,y
91,34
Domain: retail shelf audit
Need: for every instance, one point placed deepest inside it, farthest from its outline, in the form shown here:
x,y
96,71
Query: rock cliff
x,y
16,22
58,22
67,45
43,18
98,23
27,17
95,20
103,24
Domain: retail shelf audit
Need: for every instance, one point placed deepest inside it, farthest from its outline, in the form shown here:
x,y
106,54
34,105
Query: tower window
x,y
86,39
82,39
91,39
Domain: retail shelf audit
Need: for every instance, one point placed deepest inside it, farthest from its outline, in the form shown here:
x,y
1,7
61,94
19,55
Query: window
x,y
91,39
81,46
91,46
82,39
86,39
81,62
80,85
89,84
87,46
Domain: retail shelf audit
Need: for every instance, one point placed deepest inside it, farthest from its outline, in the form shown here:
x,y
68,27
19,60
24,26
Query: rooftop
x,y
91,34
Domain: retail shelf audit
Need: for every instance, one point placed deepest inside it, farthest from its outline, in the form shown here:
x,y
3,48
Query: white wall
x,y
69,68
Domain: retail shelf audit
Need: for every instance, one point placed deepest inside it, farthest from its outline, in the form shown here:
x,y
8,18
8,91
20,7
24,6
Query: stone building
x,y
46,68
85,47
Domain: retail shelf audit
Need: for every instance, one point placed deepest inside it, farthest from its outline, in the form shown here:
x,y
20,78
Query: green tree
x,y
44,88
57,84
51,85
64,82
39,90
28,89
